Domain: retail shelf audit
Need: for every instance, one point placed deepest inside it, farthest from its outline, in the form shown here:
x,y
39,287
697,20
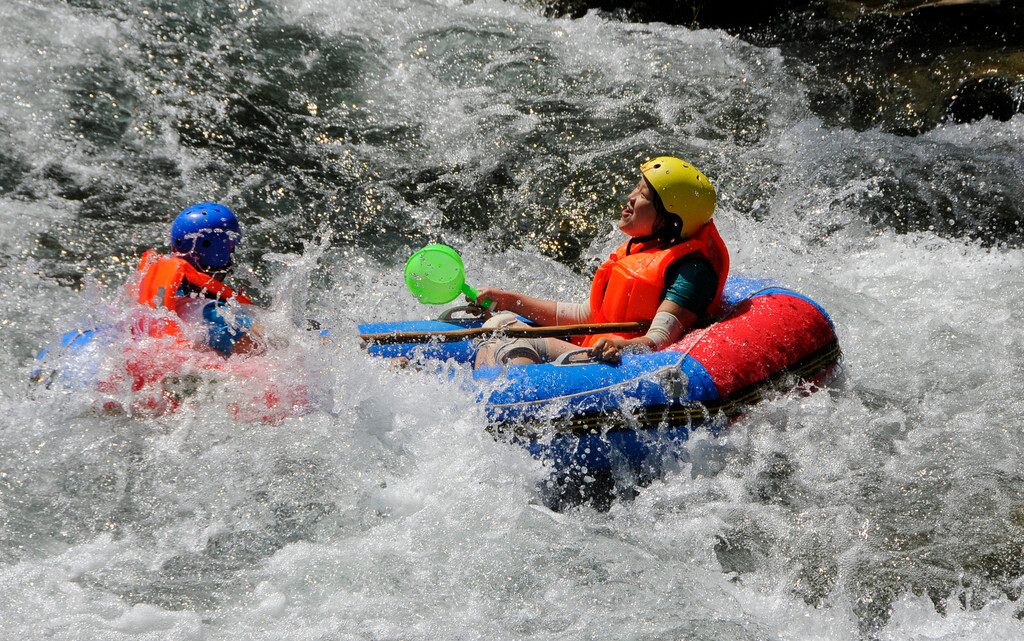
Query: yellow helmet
x,y
683,190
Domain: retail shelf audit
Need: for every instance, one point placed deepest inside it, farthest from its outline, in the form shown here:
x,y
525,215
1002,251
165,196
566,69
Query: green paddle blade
x,y
435,274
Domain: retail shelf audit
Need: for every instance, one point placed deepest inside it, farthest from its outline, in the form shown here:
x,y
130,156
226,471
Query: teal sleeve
x,y
691,283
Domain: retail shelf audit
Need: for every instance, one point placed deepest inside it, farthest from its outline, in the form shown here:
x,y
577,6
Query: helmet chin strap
x,y
649,237
669,235
219,272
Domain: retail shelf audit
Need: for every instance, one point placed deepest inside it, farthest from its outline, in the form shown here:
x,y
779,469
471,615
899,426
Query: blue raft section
x,y
596,416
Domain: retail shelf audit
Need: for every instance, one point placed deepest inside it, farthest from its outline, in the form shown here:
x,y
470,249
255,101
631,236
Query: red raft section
x,y
150,376
772,331
162,373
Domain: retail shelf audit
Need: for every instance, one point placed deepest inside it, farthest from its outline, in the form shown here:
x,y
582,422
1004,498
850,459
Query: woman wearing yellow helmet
x,y
670,272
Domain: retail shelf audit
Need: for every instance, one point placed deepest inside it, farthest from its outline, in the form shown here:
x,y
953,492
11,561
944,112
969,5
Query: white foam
x,y
387,511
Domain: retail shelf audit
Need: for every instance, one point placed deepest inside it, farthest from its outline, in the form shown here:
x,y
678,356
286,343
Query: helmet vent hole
x,y
206,244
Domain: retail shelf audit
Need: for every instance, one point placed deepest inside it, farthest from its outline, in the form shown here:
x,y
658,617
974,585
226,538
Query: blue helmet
x,y
205,235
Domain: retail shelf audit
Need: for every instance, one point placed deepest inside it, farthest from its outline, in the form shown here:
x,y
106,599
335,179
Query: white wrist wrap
x,y
665,329
572,313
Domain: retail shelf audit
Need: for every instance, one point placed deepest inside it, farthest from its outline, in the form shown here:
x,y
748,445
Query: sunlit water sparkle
x,y
347,134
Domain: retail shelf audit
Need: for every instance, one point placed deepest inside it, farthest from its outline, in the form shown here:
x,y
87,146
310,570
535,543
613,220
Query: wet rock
x,y
992,97
695,13
903,66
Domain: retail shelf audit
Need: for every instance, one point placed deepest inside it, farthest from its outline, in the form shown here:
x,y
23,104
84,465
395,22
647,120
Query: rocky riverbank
x,y
903,66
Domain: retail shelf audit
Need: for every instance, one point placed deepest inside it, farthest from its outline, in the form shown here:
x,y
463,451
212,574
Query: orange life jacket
x,y
630,287
160,278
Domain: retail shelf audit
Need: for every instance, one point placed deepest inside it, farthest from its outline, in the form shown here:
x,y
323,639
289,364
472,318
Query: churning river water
x,y
347,134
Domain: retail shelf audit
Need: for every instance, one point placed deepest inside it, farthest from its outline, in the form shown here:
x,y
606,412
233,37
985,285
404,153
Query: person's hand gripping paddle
x,y
435,276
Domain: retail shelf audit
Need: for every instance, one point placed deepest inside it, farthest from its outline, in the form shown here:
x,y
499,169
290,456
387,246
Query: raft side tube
x,y
532,392
598,439
764,335
79,351
461,351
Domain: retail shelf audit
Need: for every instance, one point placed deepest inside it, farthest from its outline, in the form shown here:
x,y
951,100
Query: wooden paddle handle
x,y
456,335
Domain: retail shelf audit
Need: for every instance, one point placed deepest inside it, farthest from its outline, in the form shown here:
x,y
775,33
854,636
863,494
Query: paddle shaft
x,y
456,335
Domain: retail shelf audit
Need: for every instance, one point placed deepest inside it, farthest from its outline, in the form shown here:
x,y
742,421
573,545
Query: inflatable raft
x,y
117,370
596,416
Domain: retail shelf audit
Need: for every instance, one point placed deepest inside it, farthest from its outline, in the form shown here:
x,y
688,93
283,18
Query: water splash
x,y
887,507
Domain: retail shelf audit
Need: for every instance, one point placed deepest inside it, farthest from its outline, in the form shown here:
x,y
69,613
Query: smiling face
x,y
639,216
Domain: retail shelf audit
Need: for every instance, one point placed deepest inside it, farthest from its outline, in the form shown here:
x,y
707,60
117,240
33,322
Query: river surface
x,y
347,134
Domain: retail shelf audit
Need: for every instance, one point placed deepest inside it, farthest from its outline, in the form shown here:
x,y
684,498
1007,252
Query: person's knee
x,y
503,319
512,351
515,351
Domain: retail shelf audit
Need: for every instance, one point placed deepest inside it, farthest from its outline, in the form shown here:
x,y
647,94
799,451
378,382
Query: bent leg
x,y
501,350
